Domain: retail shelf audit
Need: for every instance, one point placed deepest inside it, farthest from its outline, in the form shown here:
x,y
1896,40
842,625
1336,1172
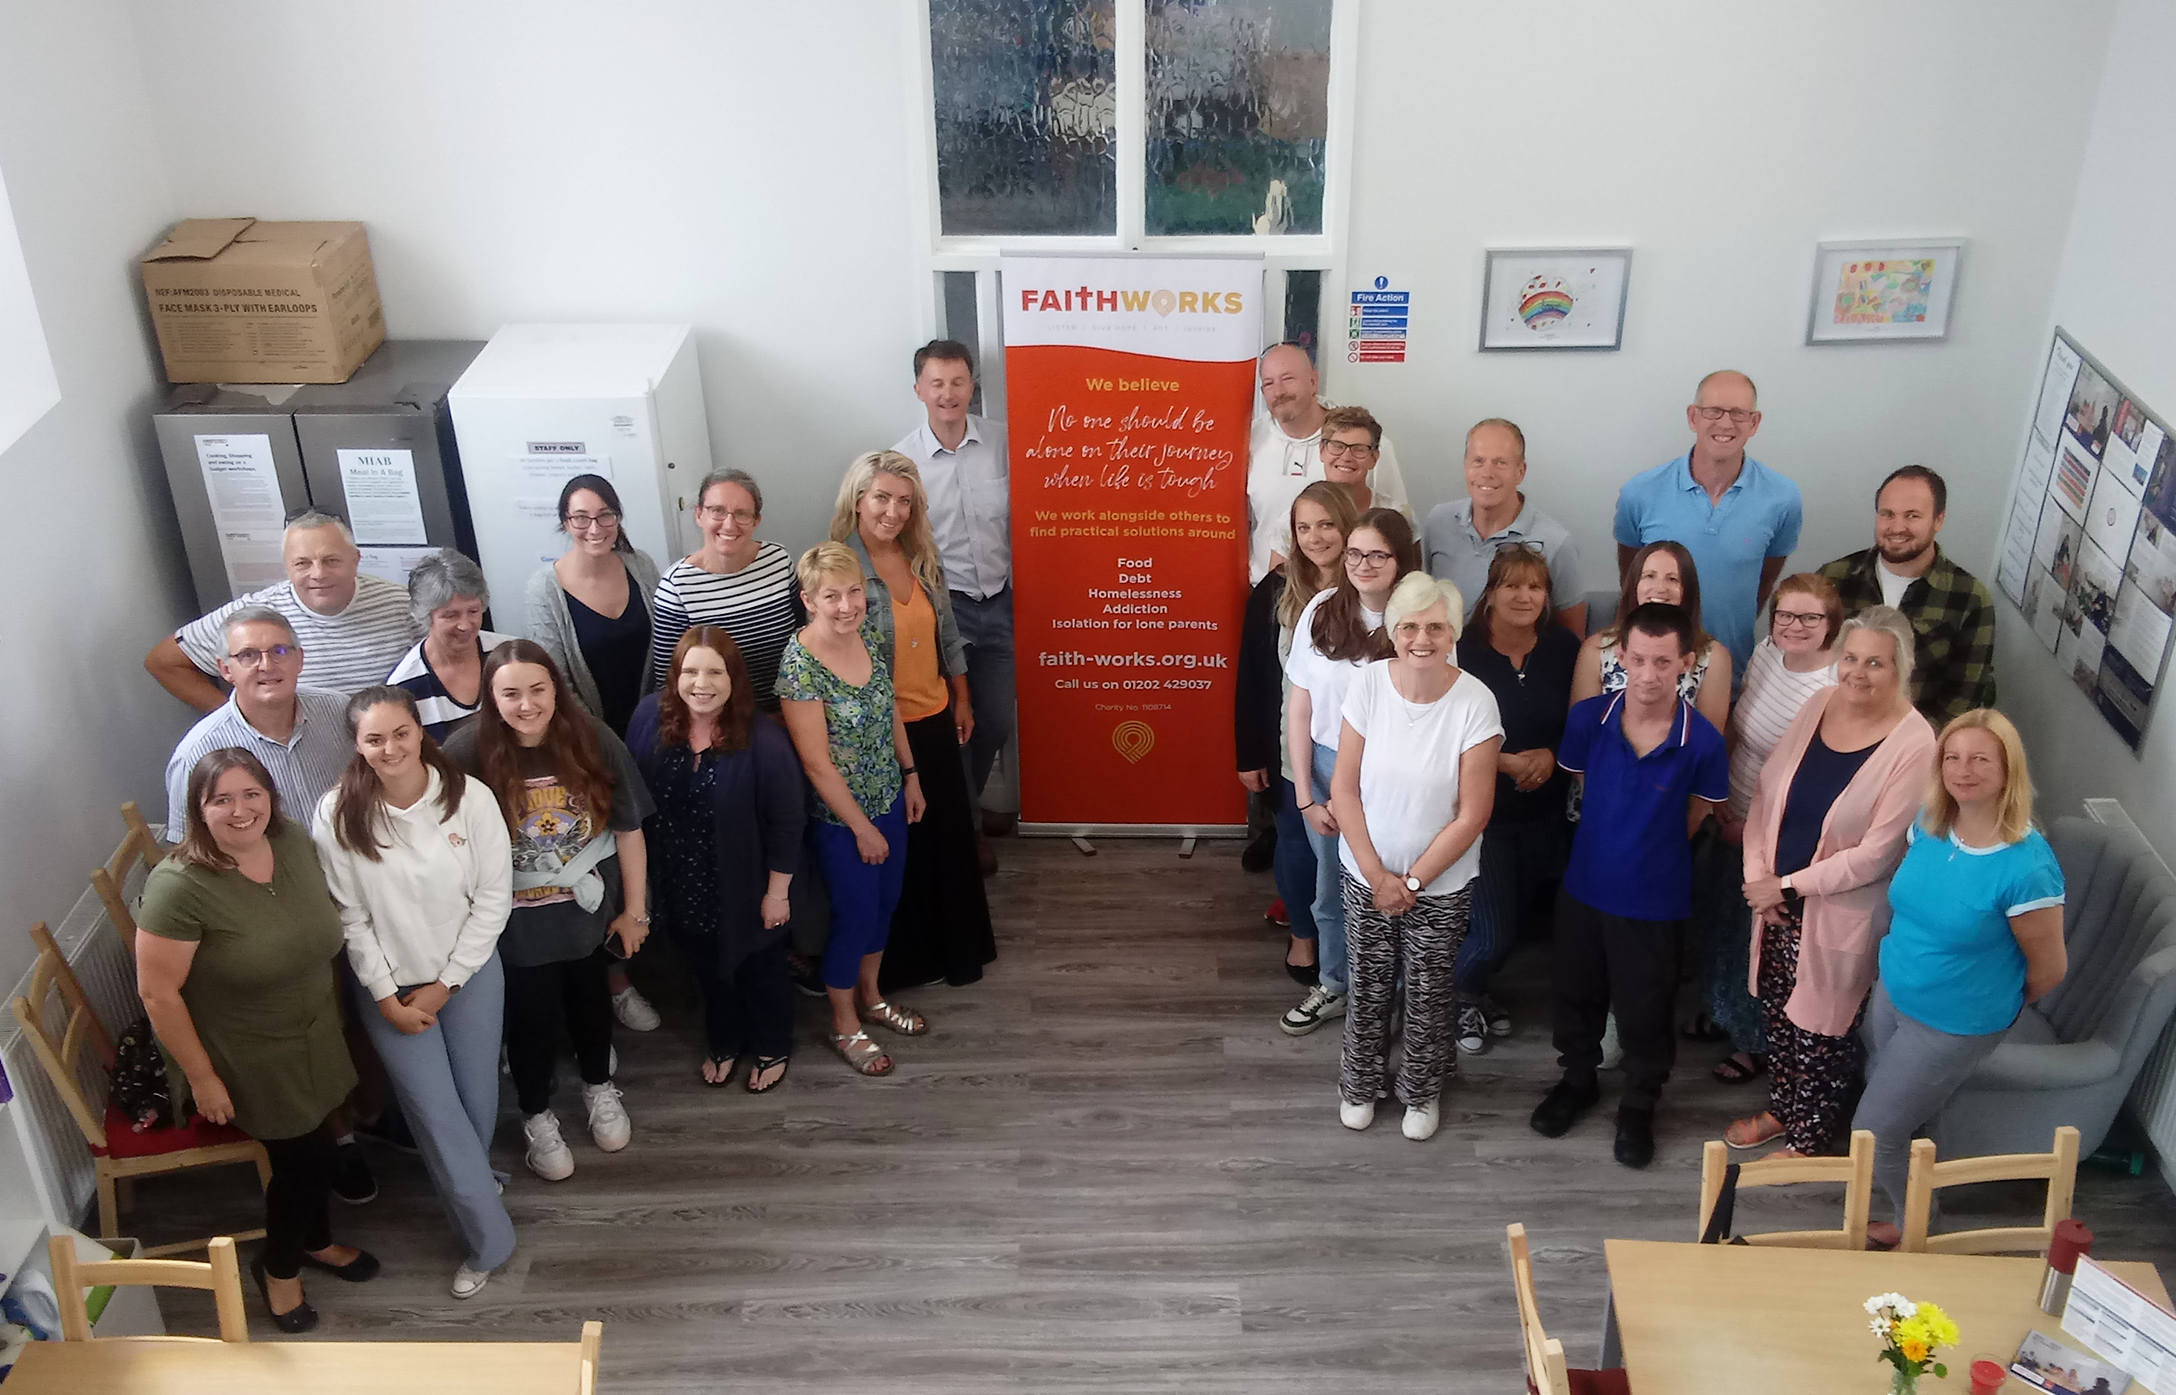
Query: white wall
x,y
94,565
2116,293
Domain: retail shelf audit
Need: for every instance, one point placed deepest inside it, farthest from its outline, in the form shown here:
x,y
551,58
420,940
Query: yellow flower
x,y
1914,1349
1940,1330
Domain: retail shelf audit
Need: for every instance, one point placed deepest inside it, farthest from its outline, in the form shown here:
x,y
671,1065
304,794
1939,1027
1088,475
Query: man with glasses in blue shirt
x,y
1737,517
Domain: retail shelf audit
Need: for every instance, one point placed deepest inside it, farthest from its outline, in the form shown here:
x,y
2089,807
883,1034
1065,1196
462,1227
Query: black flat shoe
x,y
300,1318
1305,975
1635,1146
359,1270
1562,1106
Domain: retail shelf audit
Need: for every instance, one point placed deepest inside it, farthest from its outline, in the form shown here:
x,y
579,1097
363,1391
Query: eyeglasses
x,y
1354,557
583,522
1800,619
1739,416
716,514
1518,545
251,658
1336,448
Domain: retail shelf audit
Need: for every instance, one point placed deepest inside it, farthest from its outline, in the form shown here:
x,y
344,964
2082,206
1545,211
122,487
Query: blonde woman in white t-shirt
x,y
1792,662
1413,789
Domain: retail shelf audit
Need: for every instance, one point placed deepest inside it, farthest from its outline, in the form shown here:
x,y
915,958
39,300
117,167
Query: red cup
x,y
1988,1376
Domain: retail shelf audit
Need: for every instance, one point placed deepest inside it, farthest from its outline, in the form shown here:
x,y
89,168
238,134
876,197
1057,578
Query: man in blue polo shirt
x,y
1653,769
1737,517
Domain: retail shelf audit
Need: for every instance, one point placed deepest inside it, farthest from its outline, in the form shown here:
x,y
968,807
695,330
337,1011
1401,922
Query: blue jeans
x,y
1329,903
863,897
1724,926
1295,865
987,628
1516,858
447,1080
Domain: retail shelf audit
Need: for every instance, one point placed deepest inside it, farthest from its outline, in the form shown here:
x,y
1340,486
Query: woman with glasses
x,y
1660,571
591,608
1795,660
1352,441
743,586
1337,635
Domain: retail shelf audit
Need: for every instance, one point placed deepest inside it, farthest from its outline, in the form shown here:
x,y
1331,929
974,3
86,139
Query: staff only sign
x,y
1128,384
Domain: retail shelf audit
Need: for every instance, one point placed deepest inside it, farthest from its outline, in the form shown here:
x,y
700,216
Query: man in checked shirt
x,y
1954,669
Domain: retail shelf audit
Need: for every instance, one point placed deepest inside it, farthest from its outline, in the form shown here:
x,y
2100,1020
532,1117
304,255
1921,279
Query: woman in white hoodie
x,y
418,859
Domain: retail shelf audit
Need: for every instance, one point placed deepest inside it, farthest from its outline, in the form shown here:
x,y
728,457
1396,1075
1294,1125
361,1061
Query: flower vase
x,y
1904,1382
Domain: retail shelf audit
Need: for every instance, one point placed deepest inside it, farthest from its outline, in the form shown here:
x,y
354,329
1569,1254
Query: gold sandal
x,y
862,1054
905,1021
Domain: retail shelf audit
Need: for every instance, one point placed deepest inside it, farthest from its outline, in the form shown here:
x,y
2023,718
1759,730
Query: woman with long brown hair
x,y
573,804
1339,633
234,953
419,861
724,843
1660,571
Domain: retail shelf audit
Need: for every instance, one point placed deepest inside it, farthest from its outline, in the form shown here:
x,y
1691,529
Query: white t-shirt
x,y
1766,708
1324,679
1893,586
1279,467
1409,771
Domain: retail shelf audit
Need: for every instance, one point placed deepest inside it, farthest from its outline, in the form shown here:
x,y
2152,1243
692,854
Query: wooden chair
x,y
592,1353
2058,1167
119,1151
223,1276
1547,1373
111,880
1855,1170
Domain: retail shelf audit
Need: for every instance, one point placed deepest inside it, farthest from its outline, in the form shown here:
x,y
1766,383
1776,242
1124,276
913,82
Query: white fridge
x,y
544,403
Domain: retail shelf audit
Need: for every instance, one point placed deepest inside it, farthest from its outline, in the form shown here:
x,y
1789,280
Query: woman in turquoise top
x,y
1975,933
835,692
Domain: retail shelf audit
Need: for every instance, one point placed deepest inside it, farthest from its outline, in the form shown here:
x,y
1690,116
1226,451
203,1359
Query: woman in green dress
x,y
234,960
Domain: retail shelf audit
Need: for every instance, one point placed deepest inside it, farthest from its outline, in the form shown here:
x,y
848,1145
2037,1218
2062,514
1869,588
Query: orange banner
x,y
1129,519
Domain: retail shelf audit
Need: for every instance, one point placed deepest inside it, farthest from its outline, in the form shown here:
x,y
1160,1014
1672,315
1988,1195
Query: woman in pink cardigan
x,y
1826,828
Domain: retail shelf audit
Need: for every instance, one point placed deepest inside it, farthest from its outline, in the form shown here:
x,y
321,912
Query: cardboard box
x,y
239,301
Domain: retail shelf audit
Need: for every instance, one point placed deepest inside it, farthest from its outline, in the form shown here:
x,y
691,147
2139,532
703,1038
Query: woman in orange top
x,y
941,930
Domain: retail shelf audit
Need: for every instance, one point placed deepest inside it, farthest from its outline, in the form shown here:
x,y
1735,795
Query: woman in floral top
x,y
835,692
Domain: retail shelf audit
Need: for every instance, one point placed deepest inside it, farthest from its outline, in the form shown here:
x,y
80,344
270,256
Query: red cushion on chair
x,y
124,1142
1610,1382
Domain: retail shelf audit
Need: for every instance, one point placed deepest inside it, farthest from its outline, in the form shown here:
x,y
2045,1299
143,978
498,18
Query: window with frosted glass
x,y
1238,115
1026,116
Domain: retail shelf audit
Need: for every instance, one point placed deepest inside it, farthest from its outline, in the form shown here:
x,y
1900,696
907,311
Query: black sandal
x,y
729,1063
1729,1072
762,1064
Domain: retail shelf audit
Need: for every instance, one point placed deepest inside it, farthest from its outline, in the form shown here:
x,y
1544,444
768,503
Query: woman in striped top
x,y
444,673
743,586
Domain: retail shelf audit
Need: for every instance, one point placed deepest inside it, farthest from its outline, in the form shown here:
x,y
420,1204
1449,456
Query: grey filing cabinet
x,y
240,457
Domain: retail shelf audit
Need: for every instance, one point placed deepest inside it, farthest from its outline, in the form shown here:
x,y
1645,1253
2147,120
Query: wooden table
x,y
151,1366
1701,1318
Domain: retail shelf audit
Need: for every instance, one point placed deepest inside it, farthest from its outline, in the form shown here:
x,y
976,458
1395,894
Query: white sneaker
x,y
548,1157
1612,1050
1356,1116
1421,1120
634,1011
1319,1006
607,1119
467,1282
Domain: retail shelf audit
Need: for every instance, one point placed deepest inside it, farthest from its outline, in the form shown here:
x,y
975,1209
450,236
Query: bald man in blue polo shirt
x,y
1737,517
1653,769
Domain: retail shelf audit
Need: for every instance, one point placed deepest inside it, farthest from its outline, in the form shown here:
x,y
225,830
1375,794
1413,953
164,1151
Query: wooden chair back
x,y
111,880
1855,1170
2058,1167
79,1031
1547,1372
222,1276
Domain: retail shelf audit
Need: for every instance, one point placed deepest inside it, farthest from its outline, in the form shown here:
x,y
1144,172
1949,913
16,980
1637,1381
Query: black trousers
x,y
941,928
539,997
749,1009
1608,962
298,1200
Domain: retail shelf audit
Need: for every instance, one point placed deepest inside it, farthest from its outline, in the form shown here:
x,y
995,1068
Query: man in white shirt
x,y
354,627
1285,456
963,464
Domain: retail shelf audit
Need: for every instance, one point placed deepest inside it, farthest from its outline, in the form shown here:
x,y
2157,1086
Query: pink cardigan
x,y
1846,886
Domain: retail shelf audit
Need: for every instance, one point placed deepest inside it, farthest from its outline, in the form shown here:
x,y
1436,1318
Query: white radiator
x,y
60,1161
2153,1097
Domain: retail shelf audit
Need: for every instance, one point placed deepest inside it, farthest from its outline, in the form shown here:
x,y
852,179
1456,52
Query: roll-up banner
x,y
1128,386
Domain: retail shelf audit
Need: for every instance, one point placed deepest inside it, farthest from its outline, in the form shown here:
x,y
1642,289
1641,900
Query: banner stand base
x,y
1080,833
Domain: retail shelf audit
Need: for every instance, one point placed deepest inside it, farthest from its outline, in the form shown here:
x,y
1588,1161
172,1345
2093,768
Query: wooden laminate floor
x,y
1105,1169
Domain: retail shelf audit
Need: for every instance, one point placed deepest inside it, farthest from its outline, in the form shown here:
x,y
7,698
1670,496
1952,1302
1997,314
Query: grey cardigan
x,y
951,649
551,626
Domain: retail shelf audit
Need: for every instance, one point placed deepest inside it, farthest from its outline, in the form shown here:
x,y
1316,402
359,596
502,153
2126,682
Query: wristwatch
x,y
1412,883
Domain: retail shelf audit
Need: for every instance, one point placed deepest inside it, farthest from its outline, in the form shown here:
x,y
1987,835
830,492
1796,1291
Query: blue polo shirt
x,y
1631,856
1757,519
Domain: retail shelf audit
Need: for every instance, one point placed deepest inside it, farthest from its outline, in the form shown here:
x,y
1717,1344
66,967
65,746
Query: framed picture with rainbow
x,y
1554,297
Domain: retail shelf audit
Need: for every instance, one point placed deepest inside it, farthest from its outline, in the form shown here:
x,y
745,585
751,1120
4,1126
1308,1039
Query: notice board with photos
x,y
2090,552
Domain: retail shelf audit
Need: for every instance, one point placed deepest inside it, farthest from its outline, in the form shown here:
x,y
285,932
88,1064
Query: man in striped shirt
x,y
354,627
301,734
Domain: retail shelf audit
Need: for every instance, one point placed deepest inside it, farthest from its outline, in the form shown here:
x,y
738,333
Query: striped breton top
x,y
759,605
341,653
1766,708
438,708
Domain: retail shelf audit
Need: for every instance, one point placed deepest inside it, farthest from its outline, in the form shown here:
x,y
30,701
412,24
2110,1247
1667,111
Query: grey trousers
x,y
1911,1072
447,1079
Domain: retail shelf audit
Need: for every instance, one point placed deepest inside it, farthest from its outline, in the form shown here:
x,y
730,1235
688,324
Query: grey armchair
x,y
2071,1057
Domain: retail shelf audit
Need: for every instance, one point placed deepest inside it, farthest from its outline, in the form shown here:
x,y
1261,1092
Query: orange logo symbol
x,y
1133,740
